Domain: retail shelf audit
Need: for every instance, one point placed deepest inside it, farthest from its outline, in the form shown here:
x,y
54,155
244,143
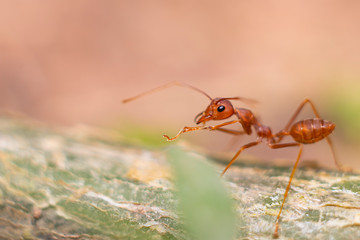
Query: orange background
x,y
69,62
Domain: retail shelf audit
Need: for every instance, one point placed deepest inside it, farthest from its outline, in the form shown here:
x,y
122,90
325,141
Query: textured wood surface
x,y
69,184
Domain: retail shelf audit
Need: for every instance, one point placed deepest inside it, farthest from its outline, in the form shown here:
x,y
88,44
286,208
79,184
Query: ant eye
x,y
221,108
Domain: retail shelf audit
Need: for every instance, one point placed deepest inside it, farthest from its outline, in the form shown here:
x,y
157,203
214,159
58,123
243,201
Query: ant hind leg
x,y
275,146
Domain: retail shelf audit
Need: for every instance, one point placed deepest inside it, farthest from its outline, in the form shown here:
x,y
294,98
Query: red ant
x,y
303,132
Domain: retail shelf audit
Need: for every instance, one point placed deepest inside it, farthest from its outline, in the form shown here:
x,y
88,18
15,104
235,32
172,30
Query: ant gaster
x,y
303,132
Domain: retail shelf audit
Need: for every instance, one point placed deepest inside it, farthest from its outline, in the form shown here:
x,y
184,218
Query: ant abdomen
x,y
311,130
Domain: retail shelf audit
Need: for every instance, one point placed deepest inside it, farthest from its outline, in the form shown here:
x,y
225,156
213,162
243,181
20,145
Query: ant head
x,y
218,109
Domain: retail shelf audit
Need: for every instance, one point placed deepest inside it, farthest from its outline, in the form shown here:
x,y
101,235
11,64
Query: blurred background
x,y
72,62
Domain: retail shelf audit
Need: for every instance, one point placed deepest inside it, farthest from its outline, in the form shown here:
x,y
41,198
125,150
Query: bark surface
x,y
72,184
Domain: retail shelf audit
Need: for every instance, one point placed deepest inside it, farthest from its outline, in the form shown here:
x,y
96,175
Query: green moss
x,y
311,216
273,201
353,186
28,165
37,195
63,175
90,193
109,219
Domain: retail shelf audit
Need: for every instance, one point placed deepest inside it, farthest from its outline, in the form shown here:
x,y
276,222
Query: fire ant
x,y
303,132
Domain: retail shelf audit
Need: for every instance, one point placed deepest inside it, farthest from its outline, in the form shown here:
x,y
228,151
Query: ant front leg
x,y
189,129
184,130
230,131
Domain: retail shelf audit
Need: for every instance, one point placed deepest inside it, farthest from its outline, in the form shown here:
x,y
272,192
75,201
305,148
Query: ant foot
x,y
168,138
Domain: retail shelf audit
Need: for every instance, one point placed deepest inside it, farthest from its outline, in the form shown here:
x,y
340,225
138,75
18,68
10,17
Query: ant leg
x,y
189,129
285,132
230,131
292,119
238,153
234,139
184,130
338,165
281,134
274,146
216,127
302,104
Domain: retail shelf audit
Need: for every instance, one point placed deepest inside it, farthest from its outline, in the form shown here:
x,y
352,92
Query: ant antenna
x,y
175,83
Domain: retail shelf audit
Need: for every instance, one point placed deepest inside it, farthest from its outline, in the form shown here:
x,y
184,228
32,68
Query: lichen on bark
x,y
59,184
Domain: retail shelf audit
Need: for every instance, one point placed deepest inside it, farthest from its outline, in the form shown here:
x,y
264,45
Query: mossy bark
x,y
77,185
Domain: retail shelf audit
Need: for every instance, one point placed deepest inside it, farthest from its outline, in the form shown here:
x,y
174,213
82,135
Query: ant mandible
x,y
303,132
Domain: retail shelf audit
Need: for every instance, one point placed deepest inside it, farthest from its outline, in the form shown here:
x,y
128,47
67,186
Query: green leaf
x,y
208,212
